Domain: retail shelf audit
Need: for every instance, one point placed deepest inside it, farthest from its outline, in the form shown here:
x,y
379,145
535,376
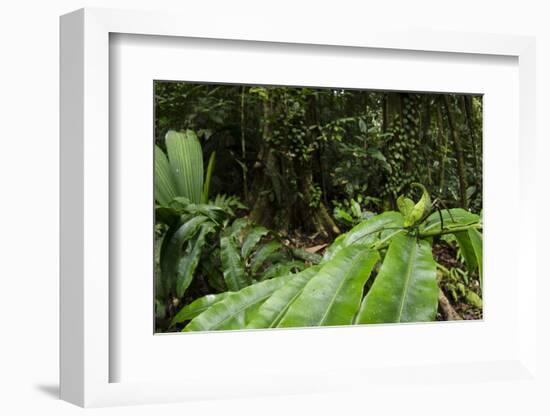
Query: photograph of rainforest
x,y
280,207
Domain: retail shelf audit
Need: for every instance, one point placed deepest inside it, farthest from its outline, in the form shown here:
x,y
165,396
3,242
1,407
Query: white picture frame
x,y
87,356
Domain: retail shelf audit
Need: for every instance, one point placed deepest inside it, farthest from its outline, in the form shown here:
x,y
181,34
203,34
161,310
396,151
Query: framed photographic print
x,y
305,196
270,213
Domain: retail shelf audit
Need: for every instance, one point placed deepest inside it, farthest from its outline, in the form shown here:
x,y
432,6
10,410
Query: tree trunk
x,y
426,117
262,211
314,214
461,168
276,189
467,101
446,309
443,143
243,147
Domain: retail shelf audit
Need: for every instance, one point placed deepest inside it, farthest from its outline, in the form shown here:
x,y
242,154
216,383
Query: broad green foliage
x,y
165,187
181,246
357,142
273,309
470,245
246,258
367,232
405,289
197,307
414,213
243,256
233,311
171,254
476,239
181,173
227,203
396,258
183,212
185,157
333,295
406,207
232,265
200,236
451,218
190,259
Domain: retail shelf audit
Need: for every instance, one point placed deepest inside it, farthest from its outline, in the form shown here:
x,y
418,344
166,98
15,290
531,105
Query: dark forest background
x,y
303,158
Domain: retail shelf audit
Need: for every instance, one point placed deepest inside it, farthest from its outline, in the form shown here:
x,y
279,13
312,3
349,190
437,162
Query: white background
x,y
29,182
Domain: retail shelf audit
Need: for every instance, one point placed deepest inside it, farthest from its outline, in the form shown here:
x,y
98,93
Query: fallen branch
x,y
447,309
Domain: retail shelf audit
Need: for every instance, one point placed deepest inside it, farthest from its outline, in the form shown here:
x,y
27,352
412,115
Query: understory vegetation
x,y
296,207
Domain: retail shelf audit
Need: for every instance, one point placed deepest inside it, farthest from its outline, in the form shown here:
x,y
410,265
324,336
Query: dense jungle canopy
x,y
294,154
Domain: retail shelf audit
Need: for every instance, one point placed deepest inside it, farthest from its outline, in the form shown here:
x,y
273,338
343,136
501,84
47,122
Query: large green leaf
x,y
188,263
165,187
366,232
333,296
231,312
477,242
185,158
405,289
198,306
213,212
470,244
170,255
451,218
421,209
405,206
273,309
233,268
264,253
466,249
252,238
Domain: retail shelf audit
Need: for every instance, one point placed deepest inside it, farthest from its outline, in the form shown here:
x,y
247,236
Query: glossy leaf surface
x,y
405,205
253,237
405,289
272,310
231,312
367,232
451,218
189,262
421,209
476,240
333,295
185,158
165,187
171,254
233,270
198,306
264,253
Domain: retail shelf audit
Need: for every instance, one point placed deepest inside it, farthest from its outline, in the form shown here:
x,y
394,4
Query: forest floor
x,y
446,255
